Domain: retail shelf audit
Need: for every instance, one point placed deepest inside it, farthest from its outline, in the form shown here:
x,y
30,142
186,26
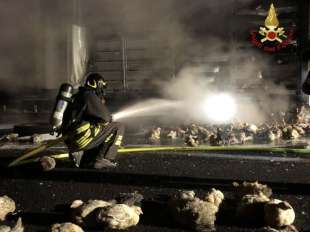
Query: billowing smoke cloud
x,y
28,45
184,101
207,61
17,39
257,98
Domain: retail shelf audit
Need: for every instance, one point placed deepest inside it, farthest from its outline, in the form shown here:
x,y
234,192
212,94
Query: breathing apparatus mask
x,y
97,83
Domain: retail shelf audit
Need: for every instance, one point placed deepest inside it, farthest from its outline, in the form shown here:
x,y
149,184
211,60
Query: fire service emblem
x,y
271,37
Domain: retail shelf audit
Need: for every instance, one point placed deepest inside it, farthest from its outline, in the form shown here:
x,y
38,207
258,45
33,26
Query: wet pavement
x,y
43,198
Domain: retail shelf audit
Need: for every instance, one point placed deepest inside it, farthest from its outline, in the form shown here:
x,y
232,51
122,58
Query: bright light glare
x,y
220,108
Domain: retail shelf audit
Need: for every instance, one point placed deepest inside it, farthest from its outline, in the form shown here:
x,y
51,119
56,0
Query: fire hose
x,y
136,150
37,150
81,142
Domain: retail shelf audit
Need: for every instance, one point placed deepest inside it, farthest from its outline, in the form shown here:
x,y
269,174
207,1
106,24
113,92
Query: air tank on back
x,y
62,102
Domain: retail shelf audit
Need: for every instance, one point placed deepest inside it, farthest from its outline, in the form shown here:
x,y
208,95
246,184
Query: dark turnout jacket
x,y
86,106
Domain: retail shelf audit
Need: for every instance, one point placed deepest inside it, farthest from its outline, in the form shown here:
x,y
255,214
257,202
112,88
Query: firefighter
x,y
92,137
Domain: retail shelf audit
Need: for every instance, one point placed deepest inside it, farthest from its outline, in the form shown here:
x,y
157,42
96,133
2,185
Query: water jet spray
x,y
152,107
214,108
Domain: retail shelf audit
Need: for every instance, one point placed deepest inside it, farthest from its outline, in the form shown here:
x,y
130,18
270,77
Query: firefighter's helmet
x,y
96,82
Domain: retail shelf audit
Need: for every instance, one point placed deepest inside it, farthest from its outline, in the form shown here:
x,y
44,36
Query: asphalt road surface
x,y
43,198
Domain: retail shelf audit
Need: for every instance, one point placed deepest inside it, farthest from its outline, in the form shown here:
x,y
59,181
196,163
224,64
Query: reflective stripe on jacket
x,y
82,135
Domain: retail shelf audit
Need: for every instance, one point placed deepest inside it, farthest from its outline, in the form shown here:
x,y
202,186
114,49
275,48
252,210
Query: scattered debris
x,y
290,132
279,213
17,228
82,211
124,214
131,199
119,216
289,125
251,128
66,227
9,138
251,188
5,229
215,197
40,138
255,207
172,134
250,209
155,136
192,212
7,205
290,228
47,163
214,140
192,141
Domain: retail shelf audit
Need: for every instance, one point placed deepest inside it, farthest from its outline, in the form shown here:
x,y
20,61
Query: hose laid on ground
x,y
207,148
84,132
36,150
34,160
129,150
